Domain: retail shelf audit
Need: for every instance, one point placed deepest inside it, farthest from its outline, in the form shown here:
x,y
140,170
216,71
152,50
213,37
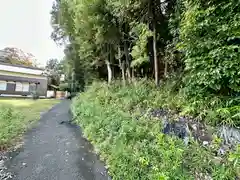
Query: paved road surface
x,y
54,151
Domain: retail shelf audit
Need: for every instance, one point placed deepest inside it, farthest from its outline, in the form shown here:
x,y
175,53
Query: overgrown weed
x,y
136,148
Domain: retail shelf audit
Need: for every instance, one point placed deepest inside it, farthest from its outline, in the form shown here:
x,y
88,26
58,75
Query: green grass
x,y
136,149
16,115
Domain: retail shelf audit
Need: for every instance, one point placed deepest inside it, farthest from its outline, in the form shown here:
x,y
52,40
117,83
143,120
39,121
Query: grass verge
x,y
136,149
16,115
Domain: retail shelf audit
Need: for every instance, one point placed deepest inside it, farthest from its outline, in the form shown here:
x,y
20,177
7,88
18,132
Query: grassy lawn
x,y
16,115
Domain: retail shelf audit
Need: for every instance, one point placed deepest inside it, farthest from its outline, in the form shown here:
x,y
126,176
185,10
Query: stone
x,y
194,127
221,151
24,164
184,127
4,174
176,128
205,143
1,163
217,160
230,135
158,113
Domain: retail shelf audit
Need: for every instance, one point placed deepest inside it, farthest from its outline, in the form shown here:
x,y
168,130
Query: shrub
x,y
210,41
10,125
64,87
136,148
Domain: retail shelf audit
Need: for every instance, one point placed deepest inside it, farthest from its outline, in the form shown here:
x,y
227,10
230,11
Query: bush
x,y
64,87
136,149
210,40
10,125
35,95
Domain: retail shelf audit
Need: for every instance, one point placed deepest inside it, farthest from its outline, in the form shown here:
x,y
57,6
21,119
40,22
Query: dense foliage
x,y
210,41
109,39
135,148
53,72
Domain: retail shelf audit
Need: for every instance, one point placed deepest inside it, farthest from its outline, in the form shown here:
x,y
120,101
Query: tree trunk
x,y
133,75
155,54
122,66
165,69
126,52
73,81
108,63
111,61
109,69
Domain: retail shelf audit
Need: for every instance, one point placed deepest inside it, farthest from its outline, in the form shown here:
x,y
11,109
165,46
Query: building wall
x,y
12,77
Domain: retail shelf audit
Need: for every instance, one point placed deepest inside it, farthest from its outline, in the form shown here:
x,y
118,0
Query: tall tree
x,y
17,56
115,35
52,70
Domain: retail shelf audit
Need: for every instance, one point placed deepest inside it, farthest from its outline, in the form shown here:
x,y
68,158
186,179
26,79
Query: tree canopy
x,y
111,39
17,56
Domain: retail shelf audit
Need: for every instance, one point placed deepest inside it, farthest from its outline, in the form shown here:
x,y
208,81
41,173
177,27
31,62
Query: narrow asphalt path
x,y
56,151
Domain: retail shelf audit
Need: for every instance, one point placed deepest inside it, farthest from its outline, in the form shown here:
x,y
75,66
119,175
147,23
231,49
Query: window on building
x,y
3,85
19,86
11,82
11,86
22,87
25,87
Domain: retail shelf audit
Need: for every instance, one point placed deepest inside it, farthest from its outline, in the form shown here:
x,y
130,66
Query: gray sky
x,y
25,24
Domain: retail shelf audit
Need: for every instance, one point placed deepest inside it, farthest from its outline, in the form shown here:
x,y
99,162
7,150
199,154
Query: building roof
x,y
22,66
21,69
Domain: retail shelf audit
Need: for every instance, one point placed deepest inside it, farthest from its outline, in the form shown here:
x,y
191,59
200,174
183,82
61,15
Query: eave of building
x,y
19,74
20,69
